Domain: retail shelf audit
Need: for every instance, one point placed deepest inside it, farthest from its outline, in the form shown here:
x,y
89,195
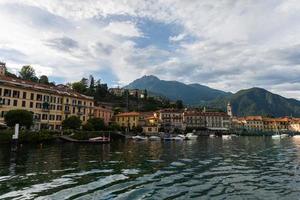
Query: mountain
x,y
192,94
258,101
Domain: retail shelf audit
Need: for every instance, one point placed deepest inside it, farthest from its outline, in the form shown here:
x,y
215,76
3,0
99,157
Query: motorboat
x,y
154,138
226,136
178,138
100,139
138,137
277,136
182,136
191,136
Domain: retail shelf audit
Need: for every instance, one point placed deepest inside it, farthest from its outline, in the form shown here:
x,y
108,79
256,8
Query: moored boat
x,y
154,138
191,136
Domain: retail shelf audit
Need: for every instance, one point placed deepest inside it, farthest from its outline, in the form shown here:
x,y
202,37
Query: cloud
x,y
126,29
227,44
177,38
64,43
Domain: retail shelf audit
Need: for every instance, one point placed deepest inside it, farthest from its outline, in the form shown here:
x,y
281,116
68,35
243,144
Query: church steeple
x,y
2,69
229,110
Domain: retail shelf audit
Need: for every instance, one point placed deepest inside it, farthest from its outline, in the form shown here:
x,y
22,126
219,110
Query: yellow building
x,y
128,120
49,104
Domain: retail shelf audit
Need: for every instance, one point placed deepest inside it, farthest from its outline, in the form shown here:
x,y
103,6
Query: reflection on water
x,y
242,167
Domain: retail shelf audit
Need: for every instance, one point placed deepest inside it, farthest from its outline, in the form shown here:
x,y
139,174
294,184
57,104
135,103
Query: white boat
x,y
154,138
182,136
191,136
277,136
177,138
139,137
296,136
226,136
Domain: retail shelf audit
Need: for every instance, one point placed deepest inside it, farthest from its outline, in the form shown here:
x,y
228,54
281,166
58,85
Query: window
x,y
44,117
16,94
58,117
23,103
15,103
0,91
38,105
31,105
46,98
51,117
39,97
7,93
31,96
24,95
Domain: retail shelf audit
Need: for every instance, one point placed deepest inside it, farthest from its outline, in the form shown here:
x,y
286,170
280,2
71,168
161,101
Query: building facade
x,y
128,120
49,104
171,119
206,120
104,112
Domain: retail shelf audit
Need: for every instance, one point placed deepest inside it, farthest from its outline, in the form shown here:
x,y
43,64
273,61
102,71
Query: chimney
x,y
2,68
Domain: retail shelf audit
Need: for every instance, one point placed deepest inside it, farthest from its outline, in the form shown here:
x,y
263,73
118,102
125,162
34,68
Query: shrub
x,y
72,122
22,117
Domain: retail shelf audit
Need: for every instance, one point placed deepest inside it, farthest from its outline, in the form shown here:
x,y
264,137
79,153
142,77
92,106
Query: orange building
x,y
104,112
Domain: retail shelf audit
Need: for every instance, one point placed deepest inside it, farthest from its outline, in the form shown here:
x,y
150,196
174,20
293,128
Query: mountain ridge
x,y
190,94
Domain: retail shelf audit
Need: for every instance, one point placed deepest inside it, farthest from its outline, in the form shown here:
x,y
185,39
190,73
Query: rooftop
x,y
58,90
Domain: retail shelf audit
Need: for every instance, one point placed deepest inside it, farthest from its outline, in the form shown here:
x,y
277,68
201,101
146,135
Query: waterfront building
x,y
294,125
206,120
150,123
194,120
49,104
103,111
128,120
171,119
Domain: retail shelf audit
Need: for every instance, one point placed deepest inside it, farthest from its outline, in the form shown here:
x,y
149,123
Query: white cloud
x,y
177,38
126,29
236,44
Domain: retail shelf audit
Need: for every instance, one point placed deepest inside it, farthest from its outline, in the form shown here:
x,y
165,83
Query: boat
x,y
226,136
182,136
100,139
277,136
191,136
97,140
177,138
138,137
154,138
296,136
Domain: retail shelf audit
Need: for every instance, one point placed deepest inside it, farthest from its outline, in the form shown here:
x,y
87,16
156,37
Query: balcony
x,y
45,110
79,113
67,112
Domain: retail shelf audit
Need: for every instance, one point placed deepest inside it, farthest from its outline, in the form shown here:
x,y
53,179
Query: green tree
x,y
72,122
179,104
44,79
22,117
28,73
79,87
95,124
145,94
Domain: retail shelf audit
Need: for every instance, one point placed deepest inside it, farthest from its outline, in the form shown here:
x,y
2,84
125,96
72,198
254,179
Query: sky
x,y
225,44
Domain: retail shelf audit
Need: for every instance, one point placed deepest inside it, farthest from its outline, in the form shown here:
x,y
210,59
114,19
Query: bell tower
x,y
2,69
229,110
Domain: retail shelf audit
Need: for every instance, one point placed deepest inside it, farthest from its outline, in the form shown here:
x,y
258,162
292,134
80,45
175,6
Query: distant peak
x,y
150,77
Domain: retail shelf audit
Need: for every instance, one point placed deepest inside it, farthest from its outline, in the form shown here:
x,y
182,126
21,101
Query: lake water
x,y
210,168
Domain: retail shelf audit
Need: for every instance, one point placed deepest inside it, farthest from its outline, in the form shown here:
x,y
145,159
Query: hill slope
x,y
193,94
258,101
